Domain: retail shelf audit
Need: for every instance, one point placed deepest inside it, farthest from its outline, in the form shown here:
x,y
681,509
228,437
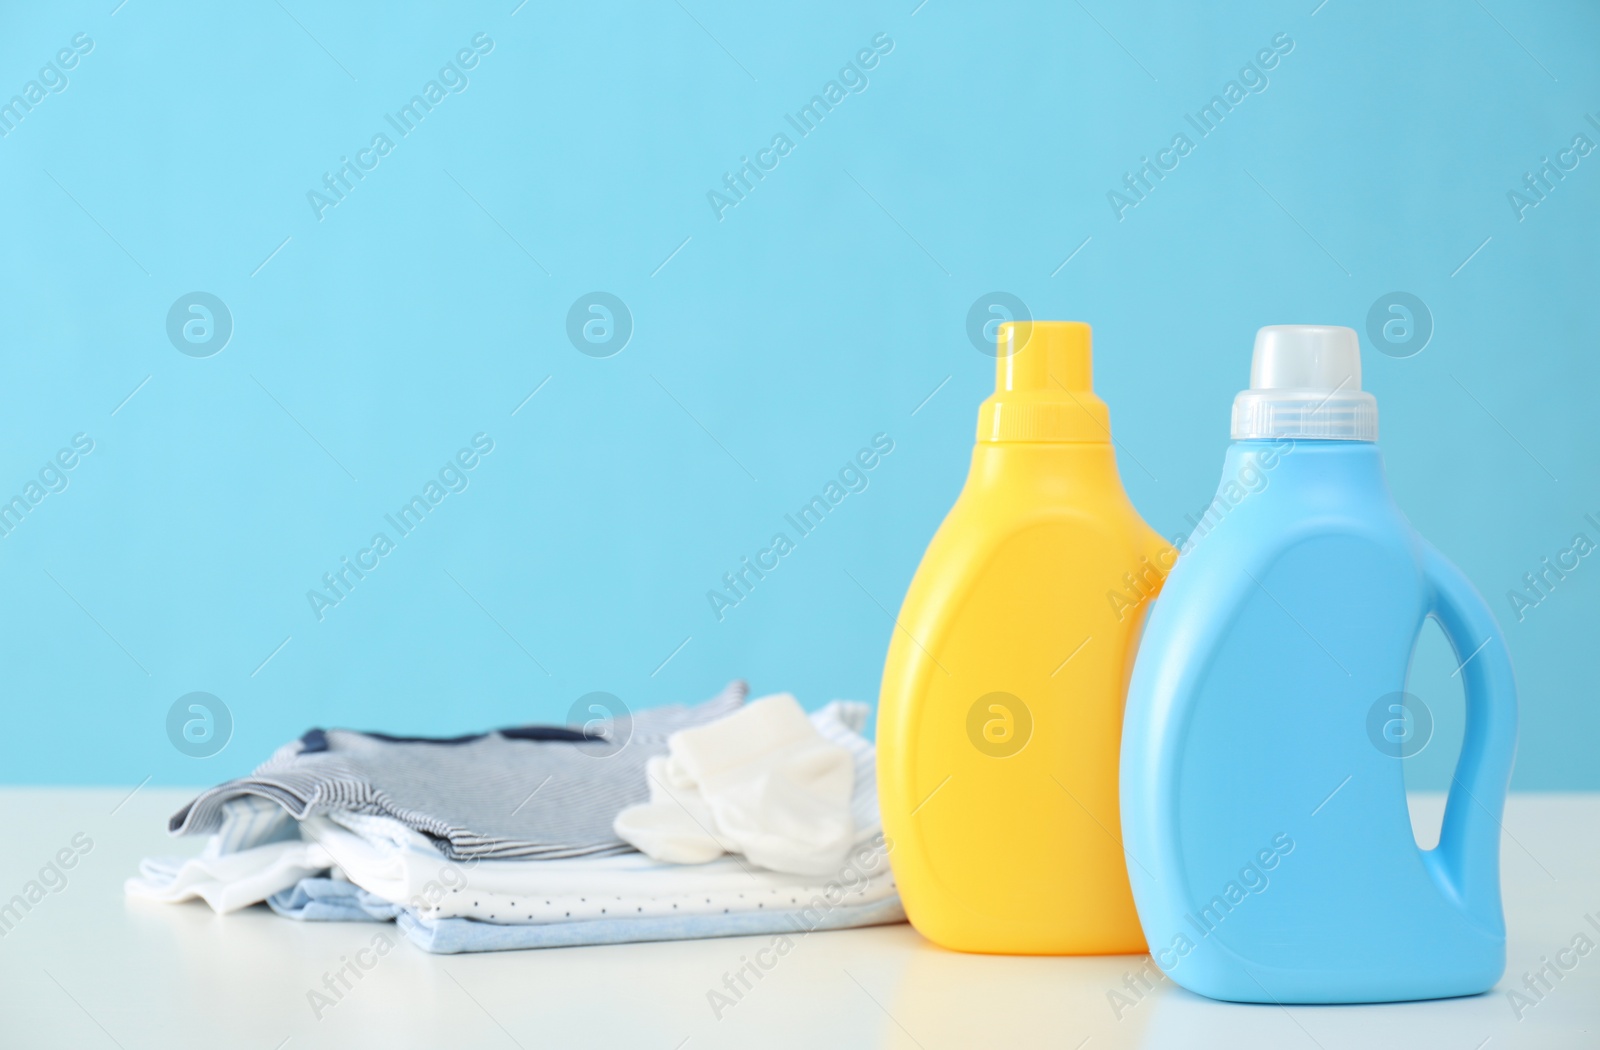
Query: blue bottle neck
x,y
1358,463
1320,476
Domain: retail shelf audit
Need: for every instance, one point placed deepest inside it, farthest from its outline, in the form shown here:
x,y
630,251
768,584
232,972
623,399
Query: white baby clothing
x,y
762,781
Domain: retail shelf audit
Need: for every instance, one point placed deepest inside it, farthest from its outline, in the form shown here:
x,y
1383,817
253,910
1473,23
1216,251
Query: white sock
x,y
762,782
675,825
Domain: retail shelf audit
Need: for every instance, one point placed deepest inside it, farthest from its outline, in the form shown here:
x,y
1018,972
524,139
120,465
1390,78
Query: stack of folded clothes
x,y
720,819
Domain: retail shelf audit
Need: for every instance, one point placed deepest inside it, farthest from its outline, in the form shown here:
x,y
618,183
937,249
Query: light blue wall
x,y
371,343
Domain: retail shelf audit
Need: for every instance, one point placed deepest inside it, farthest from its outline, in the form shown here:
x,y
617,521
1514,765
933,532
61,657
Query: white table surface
x,y
87,968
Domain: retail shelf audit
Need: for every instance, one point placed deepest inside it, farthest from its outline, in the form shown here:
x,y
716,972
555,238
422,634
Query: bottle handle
x,y
1467,860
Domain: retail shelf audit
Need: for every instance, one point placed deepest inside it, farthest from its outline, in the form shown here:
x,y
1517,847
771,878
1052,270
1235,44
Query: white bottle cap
x,y
1305,382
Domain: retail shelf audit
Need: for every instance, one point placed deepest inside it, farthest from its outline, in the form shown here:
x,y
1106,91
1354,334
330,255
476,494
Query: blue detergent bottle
x,y
1264,812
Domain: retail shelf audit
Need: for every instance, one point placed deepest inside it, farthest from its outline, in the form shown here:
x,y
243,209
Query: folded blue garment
x,y
321,899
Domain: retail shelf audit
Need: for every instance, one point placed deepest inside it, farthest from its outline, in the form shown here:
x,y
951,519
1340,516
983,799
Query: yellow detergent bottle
x,y
1000,719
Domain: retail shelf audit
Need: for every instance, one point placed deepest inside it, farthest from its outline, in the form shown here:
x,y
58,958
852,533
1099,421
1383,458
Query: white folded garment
x,y
390,860
762,781
229,881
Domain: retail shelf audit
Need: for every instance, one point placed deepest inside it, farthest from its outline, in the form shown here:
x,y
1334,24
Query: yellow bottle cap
x,y
1043,388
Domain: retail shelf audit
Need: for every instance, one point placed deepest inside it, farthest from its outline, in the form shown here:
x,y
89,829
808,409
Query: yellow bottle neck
x,y
1053,416
1075,465
1044,386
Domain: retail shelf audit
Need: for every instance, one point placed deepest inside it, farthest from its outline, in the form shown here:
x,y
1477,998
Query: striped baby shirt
x,y
523,793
